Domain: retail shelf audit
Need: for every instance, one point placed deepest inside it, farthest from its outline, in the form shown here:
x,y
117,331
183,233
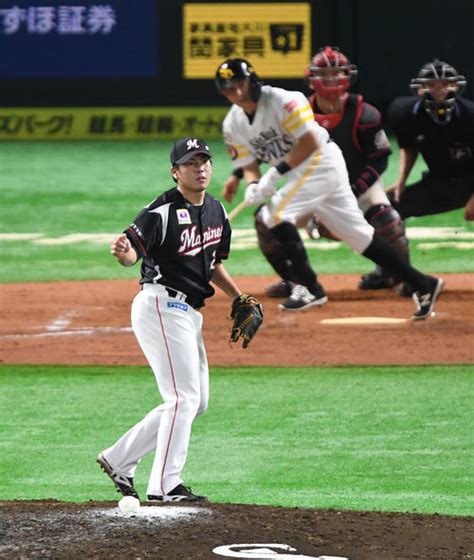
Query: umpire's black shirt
x,y
448,150
180,243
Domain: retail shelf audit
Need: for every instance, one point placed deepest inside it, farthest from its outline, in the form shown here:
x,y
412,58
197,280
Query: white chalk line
x,y
19,236
245,238
61,322
81,331
99,238
463,245
412,233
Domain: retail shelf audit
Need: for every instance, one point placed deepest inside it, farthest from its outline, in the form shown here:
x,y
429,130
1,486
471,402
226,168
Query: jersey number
x,y
212,266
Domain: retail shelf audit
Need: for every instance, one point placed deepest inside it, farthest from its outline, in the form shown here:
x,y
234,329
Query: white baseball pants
x,y
320,186
169,332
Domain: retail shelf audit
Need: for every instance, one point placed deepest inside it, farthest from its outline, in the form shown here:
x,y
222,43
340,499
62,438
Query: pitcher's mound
x,y
65,531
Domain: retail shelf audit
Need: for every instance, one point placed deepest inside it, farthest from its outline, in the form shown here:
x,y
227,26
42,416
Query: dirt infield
x,y
98,530
88,323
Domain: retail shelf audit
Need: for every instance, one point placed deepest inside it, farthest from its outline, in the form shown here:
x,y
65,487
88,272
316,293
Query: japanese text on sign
x,y
64,20
279,44
107,123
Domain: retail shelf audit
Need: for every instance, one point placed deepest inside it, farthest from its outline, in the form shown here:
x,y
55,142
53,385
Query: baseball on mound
x,y
129,504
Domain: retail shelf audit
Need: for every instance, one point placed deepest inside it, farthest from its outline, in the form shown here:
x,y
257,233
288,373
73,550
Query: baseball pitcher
x,y
182,239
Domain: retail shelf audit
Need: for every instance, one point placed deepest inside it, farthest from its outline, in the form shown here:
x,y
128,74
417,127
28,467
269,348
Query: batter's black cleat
x,y
375,281
123,484
405,290
279,289
179,494
426,301
301,298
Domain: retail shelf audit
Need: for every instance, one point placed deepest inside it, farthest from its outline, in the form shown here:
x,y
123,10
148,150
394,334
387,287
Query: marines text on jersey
x,y
181,243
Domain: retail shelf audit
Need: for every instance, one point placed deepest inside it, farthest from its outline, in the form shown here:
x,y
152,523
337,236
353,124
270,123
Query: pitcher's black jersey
x,y
448,150
180,243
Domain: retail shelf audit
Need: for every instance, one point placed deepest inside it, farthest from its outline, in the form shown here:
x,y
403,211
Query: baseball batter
x,y
276,126
355,126
181,237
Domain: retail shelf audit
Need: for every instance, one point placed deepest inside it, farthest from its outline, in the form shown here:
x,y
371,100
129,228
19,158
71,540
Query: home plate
x,y
363,321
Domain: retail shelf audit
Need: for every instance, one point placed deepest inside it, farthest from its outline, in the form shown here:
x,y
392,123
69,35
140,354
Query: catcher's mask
x,y
330,73
438,84
234,70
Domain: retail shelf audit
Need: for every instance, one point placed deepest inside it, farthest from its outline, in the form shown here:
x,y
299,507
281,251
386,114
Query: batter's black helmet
x,y
440,111
235,70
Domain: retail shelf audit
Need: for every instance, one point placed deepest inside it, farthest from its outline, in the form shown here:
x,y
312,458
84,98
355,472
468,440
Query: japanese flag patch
x,y
183,216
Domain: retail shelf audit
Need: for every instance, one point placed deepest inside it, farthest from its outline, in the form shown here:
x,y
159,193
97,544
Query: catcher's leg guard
x,y
387,224
275,254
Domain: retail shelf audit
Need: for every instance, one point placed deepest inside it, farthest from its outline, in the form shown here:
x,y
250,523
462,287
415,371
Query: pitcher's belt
x,y
195,303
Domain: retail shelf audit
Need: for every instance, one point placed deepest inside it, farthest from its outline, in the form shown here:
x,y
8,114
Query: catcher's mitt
x,y
247,314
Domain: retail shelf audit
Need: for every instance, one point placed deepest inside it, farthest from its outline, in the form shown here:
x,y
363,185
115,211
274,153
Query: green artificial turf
x,y
56,189
382,438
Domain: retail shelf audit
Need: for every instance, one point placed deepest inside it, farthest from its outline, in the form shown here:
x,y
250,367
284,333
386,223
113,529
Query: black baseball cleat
x,y
405,290
301,298
123,484
375,281
280,289
426,301
179,494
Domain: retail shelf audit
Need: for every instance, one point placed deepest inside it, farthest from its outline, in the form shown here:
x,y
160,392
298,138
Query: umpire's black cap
x,y
186,148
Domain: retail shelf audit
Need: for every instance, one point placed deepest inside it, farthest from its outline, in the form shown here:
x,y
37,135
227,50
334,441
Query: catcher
x,y
181,237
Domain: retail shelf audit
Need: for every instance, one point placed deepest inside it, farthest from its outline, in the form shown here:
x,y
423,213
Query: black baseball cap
x,y
186,148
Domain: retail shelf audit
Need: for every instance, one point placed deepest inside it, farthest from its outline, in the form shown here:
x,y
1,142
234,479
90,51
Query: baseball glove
x,y
247,314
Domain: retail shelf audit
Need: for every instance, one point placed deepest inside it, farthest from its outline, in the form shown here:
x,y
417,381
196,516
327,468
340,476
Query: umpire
x,y
438,124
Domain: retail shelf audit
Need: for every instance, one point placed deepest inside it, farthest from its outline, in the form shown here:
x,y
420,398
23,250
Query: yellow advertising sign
x,y
88,123
276,38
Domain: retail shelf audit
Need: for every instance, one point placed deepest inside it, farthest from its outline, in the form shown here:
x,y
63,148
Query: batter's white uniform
x,y
320,184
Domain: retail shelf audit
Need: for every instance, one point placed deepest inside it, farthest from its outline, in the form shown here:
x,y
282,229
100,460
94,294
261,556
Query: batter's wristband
x,y
239,172
282,167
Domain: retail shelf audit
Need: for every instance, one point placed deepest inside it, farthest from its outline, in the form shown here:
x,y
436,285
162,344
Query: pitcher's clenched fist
x,y
122,249
120,245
